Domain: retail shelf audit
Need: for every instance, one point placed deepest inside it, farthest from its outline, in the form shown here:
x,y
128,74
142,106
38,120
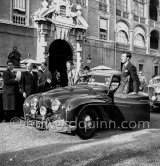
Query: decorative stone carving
x,y
54,22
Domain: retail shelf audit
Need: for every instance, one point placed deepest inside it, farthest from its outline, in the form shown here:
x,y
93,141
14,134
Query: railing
x,y
140,49
153,23
122,14
19,19
103,36
140,19
153,51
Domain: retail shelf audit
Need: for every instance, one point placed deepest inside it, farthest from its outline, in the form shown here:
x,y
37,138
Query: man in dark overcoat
x,y
15,56
129,78
10,91
45,80
29,81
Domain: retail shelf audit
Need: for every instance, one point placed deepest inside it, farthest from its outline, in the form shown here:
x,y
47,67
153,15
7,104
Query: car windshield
x,y
156,81
100,80
94,79
83,79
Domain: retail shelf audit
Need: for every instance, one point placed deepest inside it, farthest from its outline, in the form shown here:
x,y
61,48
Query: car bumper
x,y
49,123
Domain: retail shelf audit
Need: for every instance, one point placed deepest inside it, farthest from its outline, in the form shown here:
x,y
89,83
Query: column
x,y
27,12
42,44
79,51
131,32
130,9
148,43
147,13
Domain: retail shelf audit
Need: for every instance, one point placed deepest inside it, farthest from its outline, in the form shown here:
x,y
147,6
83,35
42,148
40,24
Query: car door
x,y
131,107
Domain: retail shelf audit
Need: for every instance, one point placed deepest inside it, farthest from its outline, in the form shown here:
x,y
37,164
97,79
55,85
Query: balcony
x,y
125,15
122,14
153,23
139,19
103,36
140,49
154,51
19,19
142,20
136,18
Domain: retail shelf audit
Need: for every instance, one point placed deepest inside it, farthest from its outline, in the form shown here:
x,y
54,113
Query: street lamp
x,y
89,59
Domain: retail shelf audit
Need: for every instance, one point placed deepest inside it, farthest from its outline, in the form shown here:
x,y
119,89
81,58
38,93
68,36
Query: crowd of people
x,y
18,86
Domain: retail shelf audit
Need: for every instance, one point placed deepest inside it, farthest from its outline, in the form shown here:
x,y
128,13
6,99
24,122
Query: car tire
x,y
86,123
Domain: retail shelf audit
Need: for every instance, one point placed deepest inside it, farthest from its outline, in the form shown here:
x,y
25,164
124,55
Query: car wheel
x,y
86,123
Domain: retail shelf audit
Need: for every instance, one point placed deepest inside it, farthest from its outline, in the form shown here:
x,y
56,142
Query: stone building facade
x,y
16,28
137,30
99,30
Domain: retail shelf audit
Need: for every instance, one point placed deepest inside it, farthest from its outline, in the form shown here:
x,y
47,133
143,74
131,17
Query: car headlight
x,y
55,104
26,104
154,98
34,101
33,110
43,110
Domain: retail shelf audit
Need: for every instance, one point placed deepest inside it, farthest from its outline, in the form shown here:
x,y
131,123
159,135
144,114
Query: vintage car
x,y
153,91
82,107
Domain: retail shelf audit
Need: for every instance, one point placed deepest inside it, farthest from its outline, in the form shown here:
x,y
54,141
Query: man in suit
x,y
45,80
129,78
15,56
10,92
29,81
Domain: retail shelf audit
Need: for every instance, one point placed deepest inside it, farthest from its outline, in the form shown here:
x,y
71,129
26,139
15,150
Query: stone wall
x,y
23,37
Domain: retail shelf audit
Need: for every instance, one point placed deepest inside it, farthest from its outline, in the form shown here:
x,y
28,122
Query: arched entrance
x,y
59,53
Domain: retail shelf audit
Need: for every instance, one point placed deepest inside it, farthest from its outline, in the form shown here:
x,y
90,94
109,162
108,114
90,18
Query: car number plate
x,y
36,124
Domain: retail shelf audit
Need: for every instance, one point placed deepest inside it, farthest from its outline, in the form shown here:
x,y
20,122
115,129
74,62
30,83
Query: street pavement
x,y
21,145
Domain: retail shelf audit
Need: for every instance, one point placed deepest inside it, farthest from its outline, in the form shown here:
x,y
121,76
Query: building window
x,y
63,10
154,39
141,67
19,5
122,5
156,70
103,29
139,8
139,40
19,12
103,6
81,2
122,37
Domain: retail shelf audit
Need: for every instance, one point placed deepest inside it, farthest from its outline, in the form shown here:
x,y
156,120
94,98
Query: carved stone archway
x,y
56,21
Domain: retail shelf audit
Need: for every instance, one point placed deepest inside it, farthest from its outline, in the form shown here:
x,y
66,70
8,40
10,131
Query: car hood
x,y
74,90
154,85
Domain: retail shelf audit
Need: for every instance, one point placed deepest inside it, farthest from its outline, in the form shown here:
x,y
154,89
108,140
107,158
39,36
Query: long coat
x,y
10,90
45,81
29,83
129,79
